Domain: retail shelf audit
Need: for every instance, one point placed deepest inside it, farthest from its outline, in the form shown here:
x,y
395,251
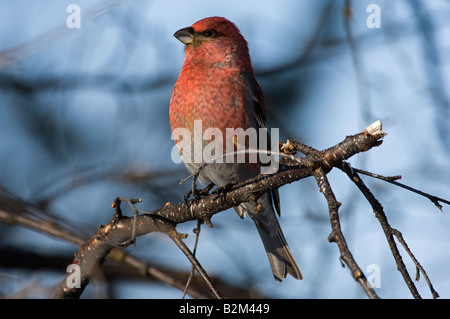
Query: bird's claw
x,y
197,194
222,191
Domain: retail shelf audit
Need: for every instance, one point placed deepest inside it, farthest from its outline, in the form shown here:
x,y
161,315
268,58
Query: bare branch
x,y
122,231
337,236
381,216
392,179
416,262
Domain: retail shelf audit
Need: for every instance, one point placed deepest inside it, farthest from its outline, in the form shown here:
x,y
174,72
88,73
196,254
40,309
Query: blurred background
x,y
84,119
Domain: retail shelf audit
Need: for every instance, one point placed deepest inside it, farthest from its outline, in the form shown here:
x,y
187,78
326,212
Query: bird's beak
x,y
185,35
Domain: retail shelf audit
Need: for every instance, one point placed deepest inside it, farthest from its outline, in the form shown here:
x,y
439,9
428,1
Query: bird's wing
x,y
255,106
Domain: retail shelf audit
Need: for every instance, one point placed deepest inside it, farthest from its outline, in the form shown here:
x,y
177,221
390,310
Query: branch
x,y
392,179
337,236
122,229
389,232
379,213
93,252
16,211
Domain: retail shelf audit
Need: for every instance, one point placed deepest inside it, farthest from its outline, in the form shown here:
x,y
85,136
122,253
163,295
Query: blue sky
x,y
106,108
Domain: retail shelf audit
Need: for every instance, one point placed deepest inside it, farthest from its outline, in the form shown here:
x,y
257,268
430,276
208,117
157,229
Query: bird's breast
x,y
213,95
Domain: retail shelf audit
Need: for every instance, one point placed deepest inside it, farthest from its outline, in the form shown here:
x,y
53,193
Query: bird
x,y
217,90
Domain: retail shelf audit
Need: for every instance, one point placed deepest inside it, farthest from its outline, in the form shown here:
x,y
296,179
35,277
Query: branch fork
x,y
293,168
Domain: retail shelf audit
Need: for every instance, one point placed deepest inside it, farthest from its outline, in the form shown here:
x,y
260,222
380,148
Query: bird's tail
x,y
277,249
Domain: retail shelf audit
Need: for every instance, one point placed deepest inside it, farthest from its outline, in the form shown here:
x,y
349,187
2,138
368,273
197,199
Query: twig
x,y
416,262
118,215
191,274
381,216
16,211
93,252
337,236
315,163
180,243
392,179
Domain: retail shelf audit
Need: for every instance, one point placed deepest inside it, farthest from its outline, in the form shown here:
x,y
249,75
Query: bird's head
x,y
215,40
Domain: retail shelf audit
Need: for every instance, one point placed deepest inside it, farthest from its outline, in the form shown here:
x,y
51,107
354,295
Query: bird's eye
x,y
208,33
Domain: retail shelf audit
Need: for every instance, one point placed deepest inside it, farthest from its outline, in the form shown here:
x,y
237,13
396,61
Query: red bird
x,y
217,89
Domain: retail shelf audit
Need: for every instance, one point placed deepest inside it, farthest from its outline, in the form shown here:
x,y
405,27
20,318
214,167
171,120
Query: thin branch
x,y
315,163
191,274
392,179
337,236
14,211
416,262
93,252
381,216
180,243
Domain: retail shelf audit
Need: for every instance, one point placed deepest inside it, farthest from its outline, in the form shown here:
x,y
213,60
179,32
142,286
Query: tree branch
x,y
122,229
337,236
393,180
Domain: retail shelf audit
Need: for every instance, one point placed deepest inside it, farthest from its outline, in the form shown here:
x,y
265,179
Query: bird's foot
x,y
222,191
197,193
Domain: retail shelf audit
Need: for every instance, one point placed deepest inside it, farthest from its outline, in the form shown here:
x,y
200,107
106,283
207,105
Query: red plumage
x,y
217,86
